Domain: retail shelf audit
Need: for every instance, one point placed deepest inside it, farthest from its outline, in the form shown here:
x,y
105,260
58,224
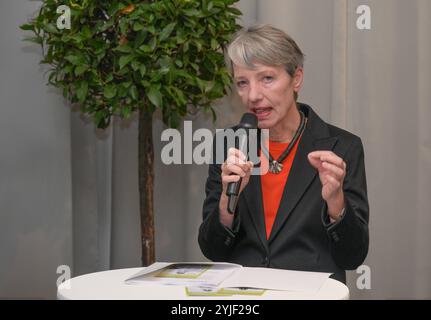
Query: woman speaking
x,y
309,212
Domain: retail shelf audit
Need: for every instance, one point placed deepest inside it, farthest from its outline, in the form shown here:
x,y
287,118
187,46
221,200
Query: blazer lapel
x,y
300,176
253,195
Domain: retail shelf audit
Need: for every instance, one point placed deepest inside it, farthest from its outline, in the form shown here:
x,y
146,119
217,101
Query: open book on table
x,y
216,278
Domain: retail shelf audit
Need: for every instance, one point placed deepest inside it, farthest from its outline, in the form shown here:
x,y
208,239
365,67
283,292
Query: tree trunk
x,y
146,184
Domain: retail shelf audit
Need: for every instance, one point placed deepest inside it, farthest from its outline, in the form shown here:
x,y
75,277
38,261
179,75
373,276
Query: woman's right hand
x,y
234,168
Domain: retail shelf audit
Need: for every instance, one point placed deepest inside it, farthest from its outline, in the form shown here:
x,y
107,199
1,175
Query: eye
x,y
241,83
268,79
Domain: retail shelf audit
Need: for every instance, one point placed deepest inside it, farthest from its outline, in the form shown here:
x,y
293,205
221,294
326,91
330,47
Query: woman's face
x,y
268,92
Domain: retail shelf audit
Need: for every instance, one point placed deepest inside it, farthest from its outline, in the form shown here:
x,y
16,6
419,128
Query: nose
x,y
254,93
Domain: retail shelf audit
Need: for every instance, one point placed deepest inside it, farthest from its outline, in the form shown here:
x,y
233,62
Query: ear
x,y
298,79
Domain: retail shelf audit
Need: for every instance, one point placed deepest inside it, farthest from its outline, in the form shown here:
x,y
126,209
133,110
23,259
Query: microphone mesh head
x,y
248,121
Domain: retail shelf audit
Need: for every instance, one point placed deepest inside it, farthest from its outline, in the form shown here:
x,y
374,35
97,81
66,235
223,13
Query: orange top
x,y
273,184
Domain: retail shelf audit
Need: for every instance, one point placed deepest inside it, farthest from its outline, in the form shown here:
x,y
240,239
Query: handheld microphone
x,y
248,121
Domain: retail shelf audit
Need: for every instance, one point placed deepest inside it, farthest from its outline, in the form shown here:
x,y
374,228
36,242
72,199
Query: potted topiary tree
x,y
119,57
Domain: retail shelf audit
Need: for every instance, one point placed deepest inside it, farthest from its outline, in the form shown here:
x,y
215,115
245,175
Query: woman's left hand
x,y
332,170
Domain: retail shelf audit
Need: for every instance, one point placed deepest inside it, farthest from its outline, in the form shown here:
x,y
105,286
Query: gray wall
x,y
35,171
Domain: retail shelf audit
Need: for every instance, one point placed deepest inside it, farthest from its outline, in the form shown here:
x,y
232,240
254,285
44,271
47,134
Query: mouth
x,y
262,113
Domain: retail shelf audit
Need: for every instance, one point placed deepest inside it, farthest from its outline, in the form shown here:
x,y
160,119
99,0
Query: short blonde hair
x,y
267,45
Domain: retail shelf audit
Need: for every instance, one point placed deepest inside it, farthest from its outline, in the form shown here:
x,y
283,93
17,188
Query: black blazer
x,y
302,238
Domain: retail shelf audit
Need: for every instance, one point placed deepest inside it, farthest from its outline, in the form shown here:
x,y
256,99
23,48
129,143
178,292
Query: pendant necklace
x,y
276,166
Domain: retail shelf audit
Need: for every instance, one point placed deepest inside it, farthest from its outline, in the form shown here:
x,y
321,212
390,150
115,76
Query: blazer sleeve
x,y
215,240
349,237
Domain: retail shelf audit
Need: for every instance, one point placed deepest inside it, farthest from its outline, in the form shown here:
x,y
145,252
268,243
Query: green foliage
x,y
121,55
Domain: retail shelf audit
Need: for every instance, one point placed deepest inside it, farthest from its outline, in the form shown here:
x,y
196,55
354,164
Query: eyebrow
x,y
257,74
265,71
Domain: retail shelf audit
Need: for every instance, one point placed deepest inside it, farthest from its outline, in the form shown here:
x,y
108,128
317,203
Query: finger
x,y
332,158
328,156
234,169
330,187
237,153
317,154
314,160
248,166
336,171
233,159
229,179
333,182
229,168
321,153
224,169
251,166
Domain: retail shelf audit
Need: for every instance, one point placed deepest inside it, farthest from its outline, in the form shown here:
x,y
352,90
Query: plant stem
x,y
146,179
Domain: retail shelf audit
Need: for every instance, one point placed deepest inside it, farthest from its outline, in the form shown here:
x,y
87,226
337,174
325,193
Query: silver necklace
x,y
276,166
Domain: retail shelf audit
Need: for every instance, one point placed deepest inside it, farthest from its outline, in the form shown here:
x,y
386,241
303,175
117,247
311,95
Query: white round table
x,y
109,285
